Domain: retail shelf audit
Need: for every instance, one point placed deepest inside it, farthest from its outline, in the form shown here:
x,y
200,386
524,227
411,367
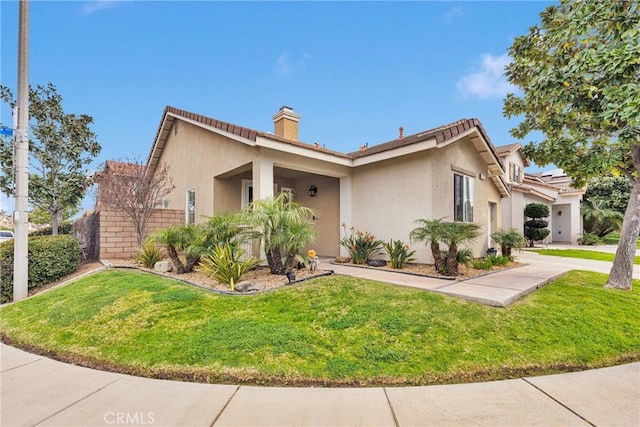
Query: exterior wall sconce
x,y
313,190
559,213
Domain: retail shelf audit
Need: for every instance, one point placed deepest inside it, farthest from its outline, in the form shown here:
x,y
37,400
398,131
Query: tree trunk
x,y
55,221
173,254
274,258
437,256
622,269
452,261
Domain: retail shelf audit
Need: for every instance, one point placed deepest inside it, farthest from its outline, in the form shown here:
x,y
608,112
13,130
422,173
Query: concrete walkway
x,y
37,391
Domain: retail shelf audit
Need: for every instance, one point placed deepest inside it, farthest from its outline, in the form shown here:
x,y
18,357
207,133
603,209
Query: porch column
x,y
262,178
345,208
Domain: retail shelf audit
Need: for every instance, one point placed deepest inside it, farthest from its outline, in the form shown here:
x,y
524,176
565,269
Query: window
x,y
517,174
191,207
462,198
289,192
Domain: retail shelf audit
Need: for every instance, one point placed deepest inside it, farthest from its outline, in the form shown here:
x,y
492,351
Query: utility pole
x,y
21,213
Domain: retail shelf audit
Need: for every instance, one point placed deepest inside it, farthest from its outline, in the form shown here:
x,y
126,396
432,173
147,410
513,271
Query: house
x,y
551,188
451,172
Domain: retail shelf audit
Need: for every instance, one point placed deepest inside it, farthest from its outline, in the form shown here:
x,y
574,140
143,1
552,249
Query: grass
x,y
581,253
614,238
329,331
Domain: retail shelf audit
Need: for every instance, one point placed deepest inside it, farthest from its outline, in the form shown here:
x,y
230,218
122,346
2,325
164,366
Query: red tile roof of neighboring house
x,y
122,168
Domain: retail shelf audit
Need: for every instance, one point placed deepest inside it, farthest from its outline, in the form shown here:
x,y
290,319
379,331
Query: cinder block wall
x,y
117,236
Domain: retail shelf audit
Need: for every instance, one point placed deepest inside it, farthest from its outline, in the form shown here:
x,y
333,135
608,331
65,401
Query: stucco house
x,y
552,188
452,171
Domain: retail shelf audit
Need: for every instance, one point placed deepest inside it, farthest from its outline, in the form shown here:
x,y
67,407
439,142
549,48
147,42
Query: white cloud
x,y
451,14
285,65
489,81
98,5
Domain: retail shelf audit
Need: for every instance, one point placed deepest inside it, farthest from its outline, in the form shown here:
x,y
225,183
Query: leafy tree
x,y
128,187
180,239
536,227
578,71
611,191
40,216
598,220
285,228
62,145
509,240
458,234
432,231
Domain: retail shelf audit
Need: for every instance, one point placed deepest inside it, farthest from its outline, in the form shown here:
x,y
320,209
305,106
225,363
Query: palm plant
x,y
457,234
509,240
284,226
431,231
221,229
598,219
180,238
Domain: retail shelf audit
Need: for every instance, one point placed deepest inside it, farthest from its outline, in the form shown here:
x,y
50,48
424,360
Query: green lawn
x,y
614,238
328,331
580,253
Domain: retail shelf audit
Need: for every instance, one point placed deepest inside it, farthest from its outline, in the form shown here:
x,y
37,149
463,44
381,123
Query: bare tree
x,y
129,188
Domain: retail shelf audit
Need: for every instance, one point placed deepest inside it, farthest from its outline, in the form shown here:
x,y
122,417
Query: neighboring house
x,y
450,172
551,188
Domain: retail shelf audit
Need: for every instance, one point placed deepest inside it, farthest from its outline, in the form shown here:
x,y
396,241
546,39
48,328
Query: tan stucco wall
x,y
390,195
195,156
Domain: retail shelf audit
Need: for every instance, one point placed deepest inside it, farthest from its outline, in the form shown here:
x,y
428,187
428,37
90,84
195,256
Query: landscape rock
x,y
376,263
163,266
248,286
342,259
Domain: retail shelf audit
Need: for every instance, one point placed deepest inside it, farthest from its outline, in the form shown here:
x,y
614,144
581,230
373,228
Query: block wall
x,y
117,236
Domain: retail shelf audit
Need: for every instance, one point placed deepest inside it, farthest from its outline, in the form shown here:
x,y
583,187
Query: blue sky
x,y
354,71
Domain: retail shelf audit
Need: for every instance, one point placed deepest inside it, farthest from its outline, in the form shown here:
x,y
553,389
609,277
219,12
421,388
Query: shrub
x,y
509,240
64,228
224,266
361,246
498,260
535,228
398,253
482,264
589,239
50,258
149,254
463,256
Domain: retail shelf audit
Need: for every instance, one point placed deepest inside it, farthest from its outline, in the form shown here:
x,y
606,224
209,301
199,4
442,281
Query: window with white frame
x,y
516,175
462,198
191,207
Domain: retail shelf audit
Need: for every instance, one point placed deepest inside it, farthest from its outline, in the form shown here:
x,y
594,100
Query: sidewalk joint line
x,y
215,420
558,402
24,364
393,413
120,376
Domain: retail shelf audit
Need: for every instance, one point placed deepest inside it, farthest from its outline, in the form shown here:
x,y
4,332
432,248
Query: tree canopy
x,y
579,76
61,145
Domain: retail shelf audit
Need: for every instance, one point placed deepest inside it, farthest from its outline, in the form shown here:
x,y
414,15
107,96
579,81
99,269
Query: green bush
x,y
149,254
64,228
589,239
482,264
224,266
498,259
361,245
50,258
398,253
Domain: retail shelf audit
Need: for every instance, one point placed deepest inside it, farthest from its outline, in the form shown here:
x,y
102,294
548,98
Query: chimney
x,y
285,123
401,132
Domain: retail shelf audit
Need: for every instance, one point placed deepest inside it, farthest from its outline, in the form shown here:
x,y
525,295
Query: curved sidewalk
x,y
37,391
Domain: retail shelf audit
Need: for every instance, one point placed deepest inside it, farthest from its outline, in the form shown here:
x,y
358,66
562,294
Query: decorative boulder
x,y
376,263
163,266
243,286
342,259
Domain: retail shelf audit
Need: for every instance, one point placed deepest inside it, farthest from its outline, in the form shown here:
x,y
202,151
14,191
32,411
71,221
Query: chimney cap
x,y
285,107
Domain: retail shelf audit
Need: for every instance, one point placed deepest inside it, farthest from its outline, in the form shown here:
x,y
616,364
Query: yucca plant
x,y
225,266
149,254
398,253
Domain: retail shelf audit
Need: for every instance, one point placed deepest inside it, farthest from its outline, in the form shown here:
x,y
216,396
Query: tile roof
x,y
441,134
508,149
